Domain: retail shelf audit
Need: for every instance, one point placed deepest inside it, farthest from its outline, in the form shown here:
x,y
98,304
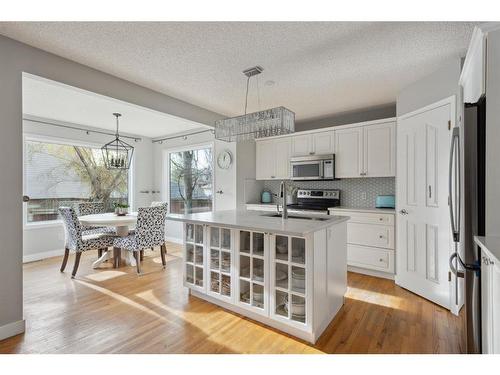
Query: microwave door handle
x,y
321,170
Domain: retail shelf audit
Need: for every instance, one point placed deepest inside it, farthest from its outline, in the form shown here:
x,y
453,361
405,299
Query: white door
x,y
379,150
423,223
349,152
323,143
264,166
301,145
281,148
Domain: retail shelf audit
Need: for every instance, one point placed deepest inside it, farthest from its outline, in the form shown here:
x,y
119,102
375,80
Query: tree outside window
x,y
191,187
62,175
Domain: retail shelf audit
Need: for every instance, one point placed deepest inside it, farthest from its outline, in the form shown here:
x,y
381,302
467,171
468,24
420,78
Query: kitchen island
x,y
289,274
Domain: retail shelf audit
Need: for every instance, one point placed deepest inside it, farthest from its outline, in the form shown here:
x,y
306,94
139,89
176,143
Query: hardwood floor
x,y
115,311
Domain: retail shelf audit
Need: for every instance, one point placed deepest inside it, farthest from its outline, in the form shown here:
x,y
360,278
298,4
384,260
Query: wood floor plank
x,y
115,311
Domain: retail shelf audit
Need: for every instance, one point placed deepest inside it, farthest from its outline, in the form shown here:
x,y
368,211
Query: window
x,y
190,180
57,174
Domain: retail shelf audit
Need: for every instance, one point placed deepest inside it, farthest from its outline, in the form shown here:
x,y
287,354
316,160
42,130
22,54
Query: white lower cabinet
x,y
370,241
290,280
194,257
294,284
220,263
253,271
490,304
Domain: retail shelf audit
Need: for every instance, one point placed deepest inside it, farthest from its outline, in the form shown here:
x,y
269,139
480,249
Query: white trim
x,y
330,128
449,100
12,329
43,255
375,273
174,240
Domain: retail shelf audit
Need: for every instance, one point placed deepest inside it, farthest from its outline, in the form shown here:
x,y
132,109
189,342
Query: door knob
x,y
26,198
403,212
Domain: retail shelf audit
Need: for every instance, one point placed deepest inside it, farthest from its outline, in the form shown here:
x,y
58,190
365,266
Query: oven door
x,y
307,170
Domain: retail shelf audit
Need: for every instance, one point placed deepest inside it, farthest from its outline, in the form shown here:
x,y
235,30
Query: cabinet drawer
x,y
370,257
366,217
370,235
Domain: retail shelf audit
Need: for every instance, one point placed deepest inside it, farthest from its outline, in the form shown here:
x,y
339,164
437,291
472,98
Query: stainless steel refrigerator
x,y
467,212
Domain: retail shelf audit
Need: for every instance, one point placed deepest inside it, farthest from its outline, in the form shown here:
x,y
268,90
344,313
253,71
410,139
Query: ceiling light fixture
x,y
117,153
267,123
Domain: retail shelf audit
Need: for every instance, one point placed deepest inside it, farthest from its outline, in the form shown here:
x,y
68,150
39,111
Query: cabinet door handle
x,y
430,191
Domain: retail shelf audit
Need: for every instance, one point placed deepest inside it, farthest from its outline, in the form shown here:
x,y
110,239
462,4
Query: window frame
x,y
34,137
166,169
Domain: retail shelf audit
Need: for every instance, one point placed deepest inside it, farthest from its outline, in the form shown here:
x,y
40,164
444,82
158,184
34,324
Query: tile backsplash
x,y
354,192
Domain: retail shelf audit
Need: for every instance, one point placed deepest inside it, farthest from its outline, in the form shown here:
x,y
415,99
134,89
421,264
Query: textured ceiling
x,y
319,68
53,100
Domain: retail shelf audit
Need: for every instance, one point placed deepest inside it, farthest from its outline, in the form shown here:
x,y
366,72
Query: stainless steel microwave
x,y
315,167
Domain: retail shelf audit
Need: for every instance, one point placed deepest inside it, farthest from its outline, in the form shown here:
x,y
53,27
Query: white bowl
x,y
258,297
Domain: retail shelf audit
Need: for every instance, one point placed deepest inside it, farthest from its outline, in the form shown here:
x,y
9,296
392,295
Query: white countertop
x,y
490,244
272,206
260,221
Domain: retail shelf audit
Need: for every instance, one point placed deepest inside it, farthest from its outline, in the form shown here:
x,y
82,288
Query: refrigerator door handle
x,y
454,198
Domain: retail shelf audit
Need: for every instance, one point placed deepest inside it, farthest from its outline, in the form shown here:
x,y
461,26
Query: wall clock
x,y
224,159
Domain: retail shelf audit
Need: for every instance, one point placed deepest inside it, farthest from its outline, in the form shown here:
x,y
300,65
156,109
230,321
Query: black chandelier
x,y
117,153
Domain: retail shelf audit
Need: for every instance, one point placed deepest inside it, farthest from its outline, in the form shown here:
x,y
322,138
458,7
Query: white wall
x,y
42,241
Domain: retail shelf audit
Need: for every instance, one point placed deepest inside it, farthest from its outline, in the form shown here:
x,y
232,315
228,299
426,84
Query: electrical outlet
x,y
363,195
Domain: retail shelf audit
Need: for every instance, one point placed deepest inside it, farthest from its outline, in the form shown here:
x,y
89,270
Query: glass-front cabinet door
x,y
220,263
288,279
194,255
252,269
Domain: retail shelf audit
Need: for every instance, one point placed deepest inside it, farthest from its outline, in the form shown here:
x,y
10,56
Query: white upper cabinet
x,y
320,143
360,151
323,143
302,145
366,151
273,159
379,150
349,152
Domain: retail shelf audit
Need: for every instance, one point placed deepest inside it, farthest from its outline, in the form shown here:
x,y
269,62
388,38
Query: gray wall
x,y
439,85
493,135
351,117
16,58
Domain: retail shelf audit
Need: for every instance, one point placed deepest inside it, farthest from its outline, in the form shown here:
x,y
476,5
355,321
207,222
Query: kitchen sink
x,y
301,217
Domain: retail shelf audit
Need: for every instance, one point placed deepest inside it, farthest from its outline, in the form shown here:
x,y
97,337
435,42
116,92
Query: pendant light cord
x,y
246,96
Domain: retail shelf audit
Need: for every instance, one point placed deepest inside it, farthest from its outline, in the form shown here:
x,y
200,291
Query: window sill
x,y
43,225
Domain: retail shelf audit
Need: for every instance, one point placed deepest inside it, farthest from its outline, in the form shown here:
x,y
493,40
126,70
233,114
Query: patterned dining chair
x,y
92,208
153,204
149,232
77,241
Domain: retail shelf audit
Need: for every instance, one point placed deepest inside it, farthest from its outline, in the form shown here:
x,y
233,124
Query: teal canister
x,y
266,197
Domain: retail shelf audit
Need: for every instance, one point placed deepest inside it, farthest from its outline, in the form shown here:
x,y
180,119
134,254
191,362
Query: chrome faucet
x,y
284,215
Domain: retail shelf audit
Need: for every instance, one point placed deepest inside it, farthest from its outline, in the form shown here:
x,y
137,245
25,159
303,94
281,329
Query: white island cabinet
x,y
289,274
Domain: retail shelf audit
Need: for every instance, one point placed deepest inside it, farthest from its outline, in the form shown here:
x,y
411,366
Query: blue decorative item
x,y
266,197
385,201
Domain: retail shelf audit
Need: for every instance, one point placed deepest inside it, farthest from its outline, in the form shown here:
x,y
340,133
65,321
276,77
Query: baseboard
x,y
368,272
12,329
174,240
42,255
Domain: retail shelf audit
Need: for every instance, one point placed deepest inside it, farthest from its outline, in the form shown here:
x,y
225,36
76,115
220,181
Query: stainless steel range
x,y
316,201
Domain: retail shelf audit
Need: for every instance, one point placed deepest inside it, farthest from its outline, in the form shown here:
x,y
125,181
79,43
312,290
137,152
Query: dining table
x,y
122,225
